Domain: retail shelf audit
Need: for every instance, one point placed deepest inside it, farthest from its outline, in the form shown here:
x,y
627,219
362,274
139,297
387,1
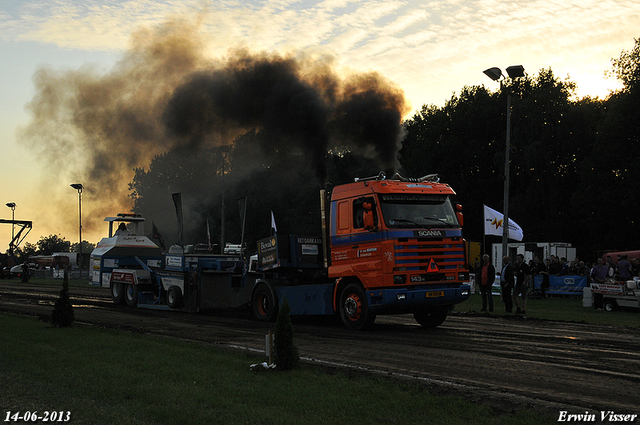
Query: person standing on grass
x,y
485,277
635,271
540,268
624,268
600,272
523,277
506,282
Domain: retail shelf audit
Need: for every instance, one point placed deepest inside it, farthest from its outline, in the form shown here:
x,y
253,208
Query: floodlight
x,y
494,73
515,71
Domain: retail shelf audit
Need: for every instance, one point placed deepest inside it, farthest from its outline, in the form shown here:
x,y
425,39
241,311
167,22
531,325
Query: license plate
x,y
435,294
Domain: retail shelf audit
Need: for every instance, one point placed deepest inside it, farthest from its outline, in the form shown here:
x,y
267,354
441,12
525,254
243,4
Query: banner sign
x,y
567,285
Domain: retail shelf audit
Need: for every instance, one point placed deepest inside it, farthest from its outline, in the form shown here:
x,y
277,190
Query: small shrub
x,y
62,315
286,353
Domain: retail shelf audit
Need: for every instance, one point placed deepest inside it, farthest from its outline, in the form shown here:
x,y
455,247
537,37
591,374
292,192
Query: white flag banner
x,y
493,222
274,229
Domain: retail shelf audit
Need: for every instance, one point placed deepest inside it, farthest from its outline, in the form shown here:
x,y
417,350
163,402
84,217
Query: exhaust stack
x,y
325,228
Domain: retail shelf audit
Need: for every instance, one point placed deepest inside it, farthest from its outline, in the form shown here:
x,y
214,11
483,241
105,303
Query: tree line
x,y
575,163
47,245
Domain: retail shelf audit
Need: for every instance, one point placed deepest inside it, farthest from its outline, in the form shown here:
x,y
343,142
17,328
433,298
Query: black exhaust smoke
x,y
292,108
166,94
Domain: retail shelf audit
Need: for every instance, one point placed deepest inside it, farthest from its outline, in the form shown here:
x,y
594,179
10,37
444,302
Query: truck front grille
x,y
416,254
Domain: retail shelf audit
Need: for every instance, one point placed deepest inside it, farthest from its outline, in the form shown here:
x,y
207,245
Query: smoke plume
x,y
166,93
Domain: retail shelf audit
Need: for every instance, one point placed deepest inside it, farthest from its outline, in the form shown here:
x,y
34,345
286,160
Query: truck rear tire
x,y
117,293
431,317
354,309
263,304
174,297
131,295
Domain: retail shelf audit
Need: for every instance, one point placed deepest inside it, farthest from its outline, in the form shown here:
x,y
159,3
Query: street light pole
x,y
507,174
79,188
12,205
496,74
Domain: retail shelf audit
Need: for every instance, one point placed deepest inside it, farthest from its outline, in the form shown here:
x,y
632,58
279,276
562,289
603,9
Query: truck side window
x,y
358,212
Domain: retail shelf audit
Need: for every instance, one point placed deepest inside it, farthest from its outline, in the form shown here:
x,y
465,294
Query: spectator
x,y
25,272
541,269
612,267
564,267
554,266
600,272
623,268
582,269
506,282
485,277
635,267
523,277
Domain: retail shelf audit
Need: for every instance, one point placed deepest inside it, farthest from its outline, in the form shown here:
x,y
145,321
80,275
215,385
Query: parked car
x,y
16,271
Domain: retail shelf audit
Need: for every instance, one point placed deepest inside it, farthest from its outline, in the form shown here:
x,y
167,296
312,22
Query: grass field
x,y
104,376
569,309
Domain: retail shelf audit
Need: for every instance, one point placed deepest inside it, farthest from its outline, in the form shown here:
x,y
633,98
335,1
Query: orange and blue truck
x,y
386,246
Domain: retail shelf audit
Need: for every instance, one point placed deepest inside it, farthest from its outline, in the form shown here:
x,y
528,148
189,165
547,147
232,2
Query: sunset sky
x,y
430,49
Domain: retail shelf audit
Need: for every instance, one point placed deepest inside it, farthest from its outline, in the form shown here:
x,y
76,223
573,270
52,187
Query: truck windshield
x,y
409,210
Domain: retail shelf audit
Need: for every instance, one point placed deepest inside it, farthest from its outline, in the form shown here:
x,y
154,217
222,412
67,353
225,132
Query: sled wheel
x,y
117,293
131,295
174,297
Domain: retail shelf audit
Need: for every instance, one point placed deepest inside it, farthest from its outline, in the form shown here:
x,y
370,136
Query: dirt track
x,y
510,363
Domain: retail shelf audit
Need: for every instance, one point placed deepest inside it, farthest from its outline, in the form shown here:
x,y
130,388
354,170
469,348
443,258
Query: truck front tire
x,y
354,309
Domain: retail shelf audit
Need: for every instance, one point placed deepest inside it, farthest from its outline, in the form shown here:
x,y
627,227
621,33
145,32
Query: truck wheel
x,y
117,293
354,309
131,295
431,317
609,305
174,297
263,304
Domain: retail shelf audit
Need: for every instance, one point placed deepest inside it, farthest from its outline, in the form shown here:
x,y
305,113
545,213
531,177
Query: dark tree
x,y
286,353
47,245
464,142
608,199
62,315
